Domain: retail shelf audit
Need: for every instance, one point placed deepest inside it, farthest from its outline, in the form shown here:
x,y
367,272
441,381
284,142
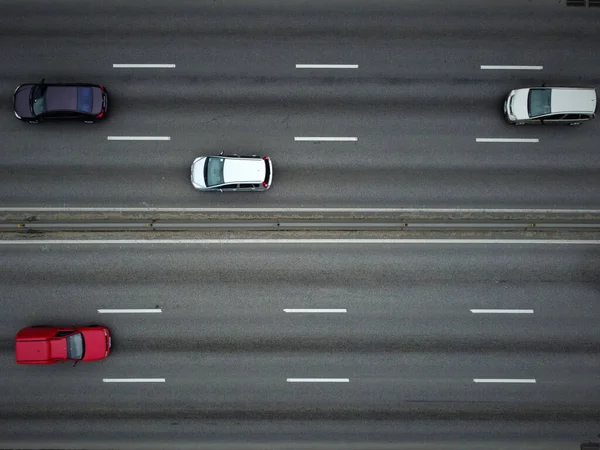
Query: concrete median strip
x,y
43,242
149,209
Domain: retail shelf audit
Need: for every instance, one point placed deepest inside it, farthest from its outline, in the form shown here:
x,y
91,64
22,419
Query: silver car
x,y
232,173
550,105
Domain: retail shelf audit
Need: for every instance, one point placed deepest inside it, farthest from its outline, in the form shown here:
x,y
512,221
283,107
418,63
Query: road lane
x,y
417,102
242,290
408,343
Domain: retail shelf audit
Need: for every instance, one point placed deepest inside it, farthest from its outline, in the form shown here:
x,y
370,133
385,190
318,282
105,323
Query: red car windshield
x,y
75,346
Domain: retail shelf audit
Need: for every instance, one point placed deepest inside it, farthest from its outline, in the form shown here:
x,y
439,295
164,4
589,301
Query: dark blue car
x,y
42,101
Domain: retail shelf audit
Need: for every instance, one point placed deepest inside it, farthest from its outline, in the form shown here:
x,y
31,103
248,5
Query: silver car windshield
x,y
75,346
538,102
213,171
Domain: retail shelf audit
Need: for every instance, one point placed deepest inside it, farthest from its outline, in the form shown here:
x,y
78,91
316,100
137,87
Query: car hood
x,y
197,175
95,344
518,105
21,103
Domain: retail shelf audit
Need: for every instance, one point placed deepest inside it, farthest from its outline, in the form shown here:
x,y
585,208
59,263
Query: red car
x,y
49,345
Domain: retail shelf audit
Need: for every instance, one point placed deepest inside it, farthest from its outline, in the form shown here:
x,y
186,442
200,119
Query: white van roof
x,y
573,100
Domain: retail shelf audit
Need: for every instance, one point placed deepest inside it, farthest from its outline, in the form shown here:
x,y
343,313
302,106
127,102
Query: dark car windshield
x,y
38,100
85,99
75,346
213,171
538,102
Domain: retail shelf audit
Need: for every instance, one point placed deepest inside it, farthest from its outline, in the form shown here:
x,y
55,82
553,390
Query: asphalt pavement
x,y
408,349
416,103
447,346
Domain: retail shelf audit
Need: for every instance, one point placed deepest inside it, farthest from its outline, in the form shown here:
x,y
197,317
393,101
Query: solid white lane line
x,y
133,380
512,67
138,138
506,140
502,311
143,66
326,66
128,311
326,139
318,380
504,380
340,310
300,210
303,241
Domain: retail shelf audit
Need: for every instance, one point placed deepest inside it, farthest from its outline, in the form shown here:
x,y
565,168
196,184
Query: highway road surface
x,y
472,344
409,103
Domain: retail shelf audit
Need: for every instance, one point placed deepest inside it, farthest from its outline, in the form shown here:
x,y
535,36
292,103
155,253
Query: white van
x,y
549,105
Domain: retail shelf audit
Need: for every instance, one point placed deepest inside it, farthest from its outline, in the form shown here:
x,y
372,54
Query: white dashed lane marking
x,y
143,66
325,139
512,67
503,140
326,66
318,380
502,311
138,138
134,380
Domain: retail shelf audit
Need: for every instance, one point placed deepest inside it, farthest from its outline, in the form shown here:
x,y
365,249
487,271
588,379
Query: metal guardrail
x,y
357,225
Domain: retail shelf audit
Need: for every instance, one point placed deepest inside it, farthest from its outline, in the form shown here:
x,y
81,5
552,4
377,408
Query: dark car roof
x,y
61,98
70,98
